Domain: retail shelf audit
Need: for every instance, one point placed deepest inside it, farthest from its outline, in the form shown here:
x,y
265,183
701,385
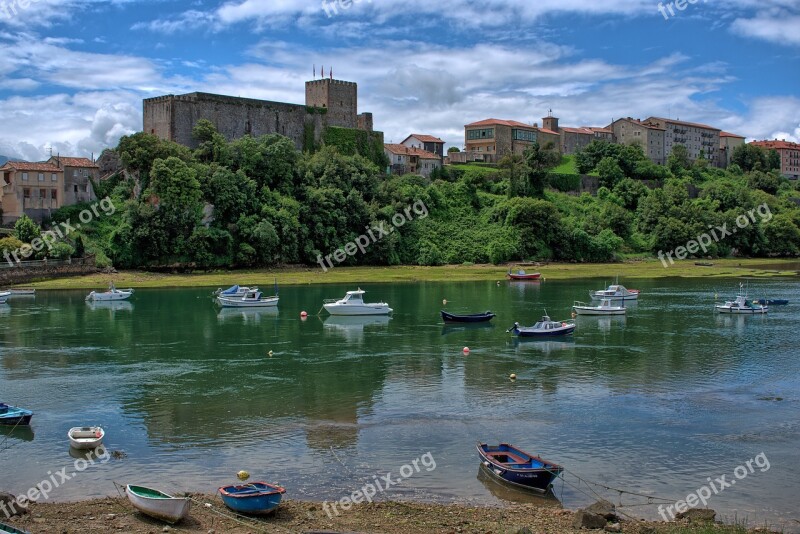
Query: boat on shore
x,y
517,468
112,294
469,318
544,328
353,304
251,299
157,504
522,275
615,292
13,416
86,437
741,306
606,307
8,529
255,498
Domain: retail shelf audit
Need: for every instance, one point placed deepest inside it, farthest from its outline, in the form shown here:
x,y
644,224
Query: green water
x,y
654,402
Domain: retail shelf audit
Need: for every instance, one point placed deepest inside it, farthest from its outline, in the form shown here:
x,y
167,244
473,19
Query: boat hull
x,y
166,508
741,311
8,529
772,302
85,438
353,310
233,302
589,310
538,477
600,295
257,498
530,333
523,277
473,318
109,296
13,416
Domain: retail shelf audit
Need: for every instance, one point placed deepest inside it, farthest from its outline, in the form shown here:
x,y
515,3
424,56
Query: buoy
x,y
270,354
466,350
243,475
498,282
303,314
574,315
513,376
444,302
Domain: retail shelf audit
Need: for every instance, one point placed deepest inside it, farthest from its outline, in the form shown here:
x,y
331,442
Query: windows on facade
x,y
53,194
42,194
25,176
486,133
26,193
54,177
41,177
524,135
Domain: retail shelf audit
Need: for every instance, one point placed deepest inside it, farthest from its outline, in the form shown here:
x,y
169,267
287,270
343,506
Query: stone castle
x,y
329,102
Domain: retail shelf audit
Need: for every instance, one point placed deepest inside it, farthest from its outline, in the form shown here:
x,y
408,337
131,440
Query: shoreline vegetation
x,y
115,514
652,269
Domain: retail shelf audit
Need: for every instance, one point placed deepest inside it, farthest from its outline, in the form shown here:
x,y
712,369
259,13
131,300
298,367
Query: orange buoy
x,y
303,314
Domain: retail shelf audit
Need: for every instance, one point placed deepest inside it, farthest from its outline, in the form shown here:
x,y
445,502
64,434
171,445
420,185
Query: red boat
x,y
522,275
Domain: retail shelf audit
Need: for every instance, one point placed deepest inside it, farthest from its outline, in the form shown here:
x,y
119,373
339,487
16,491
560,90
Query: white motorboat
x,y
86,437
741,306
234,291
112,294
615,292
158,504
544,328
5,294
353,304
3,300
251,299
23,292
606,307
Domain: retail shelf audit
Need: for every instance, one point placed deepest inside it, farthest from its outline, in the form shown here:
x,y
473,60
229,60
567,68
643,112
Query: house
x,y
411,160
700,140
427,143
78,173
727,144
649,136
789,153
491,139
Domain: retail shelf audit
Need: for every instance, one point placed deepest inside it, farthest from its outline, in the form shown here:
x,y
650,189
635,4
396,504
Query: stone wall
x,y
26,273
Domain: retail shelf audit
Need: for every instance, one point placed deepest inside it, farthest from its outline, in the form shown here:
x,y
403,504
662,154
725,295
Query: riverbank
x,y
725,268
117,515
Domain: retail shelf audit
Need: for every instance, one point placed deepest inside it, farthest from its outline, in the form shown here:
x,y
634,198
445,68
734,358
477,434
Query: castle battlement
x,y
328,81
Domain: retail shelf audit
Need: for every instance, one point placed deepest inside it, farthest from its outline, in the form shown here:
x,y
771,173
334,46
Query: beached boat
x,y
158,504
615,292
353,304
8,529
522,275
606,307
234,291
544,328
772,302
251,299
23,292
112,294
518,468
470,318
255,498
741,306
11,415
4,295
86,437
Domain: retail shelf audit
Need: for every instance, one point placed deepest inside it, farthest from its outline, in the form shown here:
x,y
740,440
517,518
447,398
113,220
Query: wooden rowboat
x,y
158,504
255,498
86,437
471,318
518,468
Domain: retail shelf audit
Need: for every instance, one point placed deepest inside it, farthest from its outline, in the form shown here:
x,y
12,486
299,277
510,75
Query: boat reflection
x,y
5,309
604,323
89,455
450,328
507,493
20,433
247,315
352,327
546,347
112,305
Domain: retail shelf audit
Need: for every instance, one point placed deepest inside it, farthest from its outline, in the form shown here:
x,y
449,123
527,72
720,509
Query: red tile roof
x,y
424,138
684,123
598,130
645,124
585,131
403,150
777,145
74,162
728,134
41,166
545,130
499,122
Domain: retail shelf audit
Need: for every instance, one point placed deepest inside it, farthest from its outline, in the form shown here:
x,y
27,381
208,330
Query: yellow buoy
x,y
243,475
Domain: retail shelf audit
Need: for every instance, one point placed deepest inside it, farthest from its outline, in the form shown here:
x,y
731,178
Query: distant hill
x,y
3,159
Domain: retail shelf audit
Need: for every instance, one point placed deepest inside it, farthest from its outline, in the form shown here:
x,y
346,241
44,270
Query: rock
x,y
38,520
584,519
9,505
165,529
647,530
523,530
603,508
613,527
111,517
698,515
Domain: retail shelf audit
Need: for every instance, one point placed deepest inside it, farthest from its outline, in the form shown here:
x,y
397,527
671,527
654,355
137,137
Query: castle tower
x,y
550,123
338,97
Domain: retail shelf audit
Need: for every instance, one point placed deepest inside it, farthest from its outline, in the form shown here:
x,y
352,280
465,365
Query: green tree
x,y
26,230
610,172
750,158
453,149
540,161
773,160
515,171
212,146
678,160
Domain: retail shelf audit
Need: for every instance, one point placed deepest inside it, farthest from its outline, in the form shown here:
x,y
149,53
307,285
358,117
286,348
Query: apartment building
x,y
650,136
491,139
727,144
411,160
699,139
789,153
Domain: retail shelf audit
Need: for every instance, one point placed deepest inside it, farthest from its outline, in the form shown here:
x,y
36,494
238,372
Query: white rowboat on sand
x,y
158,504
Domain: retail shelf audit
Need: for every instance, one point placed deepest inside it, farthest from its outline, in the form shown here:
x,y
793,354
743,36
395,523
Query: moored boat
x,y
469,318
741,306
615,292
11,415
8,529
23,292
522,275
5,294
251,299
353,304
158,504
518,468
544,328
112,294
606,307
3,300
234,291
86,437
255,498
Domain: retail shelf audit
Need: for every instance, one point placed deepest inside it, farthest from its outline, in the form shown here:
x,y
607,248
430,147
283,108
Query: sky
x,y
73,73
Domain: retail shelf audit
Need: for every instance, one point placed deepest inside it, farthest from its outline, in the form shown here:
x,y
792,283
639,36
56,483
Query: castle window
x,y
41,177
25,176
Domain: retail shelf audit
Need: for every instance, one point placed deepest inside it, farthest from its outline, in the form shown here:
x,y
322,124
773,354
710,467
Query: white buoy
x,y
513,376
270,354
444,302
303,314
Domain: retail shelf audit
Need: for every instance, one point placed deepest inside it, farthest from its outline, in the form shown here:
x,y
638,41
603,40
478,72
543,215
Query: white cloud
x,y
777,26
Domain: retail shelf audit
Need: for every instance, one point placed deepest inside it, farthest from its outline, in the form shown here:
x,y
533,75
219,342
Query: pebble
x,y
111,516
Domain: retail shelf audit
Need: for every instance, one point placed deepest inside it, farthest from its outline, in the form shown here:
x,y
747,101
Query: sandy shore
x,y
116,515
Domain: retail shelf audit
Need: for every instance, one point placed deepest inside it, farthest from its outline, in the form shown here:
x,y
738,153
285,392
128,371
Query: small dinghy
x,y
255,498
470,318
13,416
8,529
544,328
518,468
86,437
158,504
112,294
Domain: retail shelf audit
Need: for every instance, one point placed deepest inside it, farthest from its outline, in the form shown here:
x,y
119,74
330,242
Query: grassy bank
x,y
728,268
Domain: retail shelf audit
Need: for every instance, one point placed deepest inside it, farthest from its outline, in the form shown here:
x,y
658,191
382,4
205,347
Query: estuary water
x,y
653,403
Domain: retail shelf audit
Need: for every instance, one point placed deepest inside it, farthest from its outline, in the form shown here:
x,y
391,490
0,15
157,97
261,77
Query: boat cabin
x,y
353,297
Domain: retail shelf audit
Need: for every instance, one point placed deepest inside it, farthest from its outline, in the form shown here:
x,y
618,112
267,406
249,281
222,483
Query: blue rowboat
x,y
471,318
13,416
518,468
255,498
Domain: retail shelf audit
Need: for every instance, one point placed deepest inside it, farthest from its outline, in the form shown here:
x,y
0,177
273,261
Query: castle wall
x,y
338,97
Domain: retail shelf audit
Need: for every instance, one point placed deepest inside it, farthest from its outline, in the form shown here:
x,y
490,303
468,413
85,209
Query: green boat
x,y
8,529
158,504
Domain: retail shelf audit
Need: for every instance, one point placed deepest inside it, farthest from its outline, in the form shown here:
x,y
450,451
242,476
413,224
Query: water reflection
x,y
247,315
352,328
18,433
505,492
111,305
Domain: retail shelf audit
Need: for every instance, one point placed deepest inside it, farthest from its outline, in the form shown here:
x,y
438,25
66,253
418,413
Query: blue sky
x,y
73,72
